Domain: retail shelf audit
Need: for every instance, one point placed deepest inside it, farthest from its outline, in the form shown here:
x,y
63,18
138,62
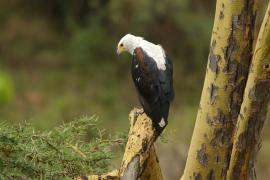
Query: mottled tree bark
x,y
222,95
253,109
138,162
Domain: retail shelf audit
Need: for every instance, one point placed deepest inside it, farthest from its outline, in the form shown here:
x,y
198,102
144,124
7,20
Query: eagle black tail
x,y
159,114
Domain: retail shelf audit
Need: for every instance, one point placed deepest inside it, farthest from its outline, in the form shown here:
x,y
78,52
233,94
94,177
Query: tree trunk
x,y
253,109
226,75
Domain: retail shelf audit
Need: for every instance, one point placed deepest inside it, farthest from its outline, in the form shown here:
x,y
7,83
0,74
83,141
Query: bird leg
x,y
140,111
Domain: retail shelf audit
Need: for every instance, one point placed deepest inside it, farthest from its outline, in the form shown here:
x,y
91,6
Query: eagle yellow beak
x,y
120,49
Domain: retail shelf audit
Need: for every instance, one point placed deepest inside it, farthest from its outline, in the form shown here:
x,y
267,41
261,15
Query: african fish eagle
x,y
152,72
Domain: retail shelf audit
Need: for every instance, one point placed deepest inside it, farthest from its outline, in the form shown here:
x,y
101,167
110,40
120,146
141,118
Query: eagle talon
x,y
140,111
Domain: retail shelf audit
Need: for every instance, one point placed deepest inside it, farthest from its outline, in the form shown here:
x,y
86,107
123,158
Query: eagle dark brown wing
x,y
154,86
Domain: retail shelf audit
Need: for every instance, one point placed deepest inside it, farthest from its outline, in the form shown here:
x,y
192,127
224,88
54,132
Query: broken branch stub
x,y
140,160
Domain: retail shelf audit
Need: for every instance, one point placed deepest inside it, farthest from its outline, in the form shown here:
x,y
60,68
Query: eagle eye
x,y
121,45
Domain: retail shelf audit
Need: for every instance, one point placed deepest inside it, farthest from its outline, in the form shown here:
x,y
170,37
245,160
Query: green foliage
x,y
61,153
6,89
92,28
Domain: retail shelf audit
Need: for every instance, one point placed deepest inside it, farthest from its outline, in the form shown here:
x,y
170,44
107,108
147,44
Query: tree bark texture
x,y
222,95
254,107
138,162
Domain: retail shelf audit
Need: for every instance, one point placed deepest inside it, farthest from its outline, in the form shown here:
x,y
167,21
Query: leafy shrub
x,y
61,153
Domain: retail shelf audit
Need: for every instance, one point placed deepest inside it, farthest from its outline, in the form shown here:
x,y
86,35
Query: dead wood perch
x,y
137,161
140,160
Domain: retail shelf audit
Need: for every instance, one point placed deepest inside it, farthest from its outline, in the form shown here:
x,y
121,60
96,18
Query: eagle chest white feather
x,y
156,52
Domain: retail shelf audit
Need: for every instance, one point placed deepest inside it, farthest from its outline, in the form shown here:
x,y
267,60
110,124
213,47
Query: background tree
x,y
247,140
226,76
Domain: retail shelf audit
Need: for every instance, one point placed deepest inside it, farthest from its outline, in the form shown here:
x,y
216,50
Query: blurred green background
x,y
57,62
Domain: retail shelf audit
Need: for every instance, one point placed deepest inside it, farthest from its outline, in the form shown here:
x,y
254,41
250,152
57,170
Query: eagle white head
x,y
128,43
